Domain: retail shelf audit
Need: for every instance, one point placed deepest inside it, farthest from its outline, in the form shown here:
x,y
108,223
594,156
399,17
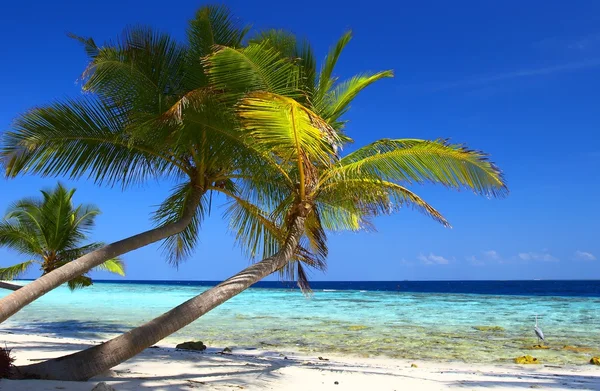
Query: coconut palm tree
x,y
128,128
286,219
52,232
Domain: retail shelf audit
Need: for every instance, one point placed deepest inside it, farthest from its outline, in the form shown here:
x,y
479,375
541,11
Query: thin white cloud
x,y
533,256
489,256
433,259
473,260
584,256
544,71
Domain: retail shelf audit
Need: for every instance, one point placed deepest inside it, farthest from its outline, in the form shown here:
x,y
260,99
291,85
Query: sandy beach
x,y
165,368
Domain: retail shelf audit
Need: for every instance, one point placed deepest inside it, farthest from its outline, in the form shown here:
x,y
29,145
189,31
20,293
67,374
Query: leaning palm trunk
x,y
8,285
95,360
14,302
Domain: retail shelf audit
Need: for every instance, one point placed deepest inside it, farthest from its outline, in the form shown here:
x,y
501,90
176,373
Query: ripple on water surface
x,y
465,327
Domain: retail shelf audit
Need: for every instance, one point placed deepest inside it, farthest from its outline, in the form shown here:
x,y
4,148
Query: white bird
x,y
538,331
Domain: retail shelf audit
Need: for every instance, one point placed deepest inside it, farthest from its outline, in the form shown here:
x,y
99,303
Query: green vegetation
x,y
492,329
51,231
357,328
260,123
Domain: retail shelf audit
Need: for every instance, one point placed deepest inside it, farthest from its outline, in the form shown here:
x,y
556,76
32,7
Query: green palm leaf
x,y
22,237
257,67
411,160
12,272
282,125
338,100
179,246
255,231
374,197
214,25
79,282
80,138
326,80
51,230
115,266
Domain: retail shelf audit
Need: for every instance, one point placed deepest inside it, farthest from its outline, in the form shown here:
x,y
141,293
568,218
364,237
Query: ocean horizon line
x,y
109,280
558,288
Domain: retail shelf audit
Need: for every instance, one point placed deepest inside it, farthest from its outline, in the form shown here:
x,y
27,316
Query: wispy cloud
x,y
544,71
584,256
433,259
489,256
533,256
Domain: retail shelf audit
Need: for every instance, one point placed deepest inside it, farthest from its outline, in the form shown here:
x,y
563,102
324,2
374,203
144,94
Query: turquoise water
x,y
432,326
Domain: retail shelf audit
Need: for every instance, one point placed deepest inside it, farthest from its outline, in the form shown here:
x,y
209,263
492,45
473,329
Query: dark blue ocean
x,y
471,321
582,288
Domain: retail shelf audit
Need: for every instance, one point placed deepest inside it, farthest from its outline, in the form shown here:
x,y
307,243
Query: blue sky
x,y
519,80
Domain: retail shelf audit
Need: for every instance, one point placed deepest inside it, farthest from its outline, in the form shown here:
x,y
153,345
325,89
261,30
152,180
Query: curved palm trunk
x,y
14,302
8,285
95,360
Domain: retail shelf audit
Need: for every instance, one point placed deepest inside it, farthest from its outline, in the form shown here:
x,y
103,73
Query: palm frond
x,y
326,80
139,72
115,266
80,138
305,59
338,100
285,127
21,237
419,161
179,246
214,25
79,282
89,45
282,41
257,67
374,197
12,272
211,26
257,233
315,233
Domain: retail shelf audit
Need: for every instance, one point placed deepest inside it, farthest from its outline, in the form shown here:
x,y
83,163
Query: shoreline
x,y
168,369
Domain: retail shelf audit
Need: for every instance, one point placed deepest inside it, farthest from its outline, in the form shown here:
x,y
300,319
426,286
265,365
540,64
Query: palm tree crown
x,y
52,232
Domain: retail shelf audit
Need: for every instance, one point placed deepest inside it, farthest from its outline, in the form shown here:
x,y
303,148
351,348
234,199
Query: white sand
x,y
168,369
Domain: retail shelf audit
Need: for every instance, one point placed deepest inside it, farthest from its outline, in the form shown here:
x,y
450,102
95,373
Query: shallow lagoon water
x,y
431,326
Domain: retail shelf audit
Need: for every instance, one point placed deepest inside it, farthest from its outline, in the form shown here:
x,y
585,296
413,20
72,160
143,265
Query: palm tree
x,y
128,128
51,231
286,219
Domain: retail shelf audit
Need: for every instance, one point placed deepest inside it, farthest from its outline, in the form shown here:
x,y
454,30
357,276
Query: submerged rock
x,y
595,361
489,328
527,360
578,349
357,328
192,345
102,386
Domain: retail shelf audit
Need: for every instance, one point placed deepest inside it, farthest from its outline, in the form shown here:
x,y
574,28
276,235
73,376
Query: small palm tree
x,y
52,232
284,215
